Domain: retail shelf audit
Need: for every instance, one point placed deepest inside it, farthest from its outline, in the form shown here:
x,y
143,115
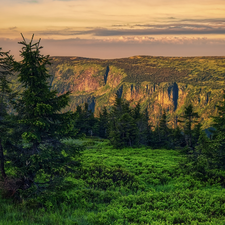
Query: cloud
x,y
64,0
13,28
146,29
119,47
180,27
208,20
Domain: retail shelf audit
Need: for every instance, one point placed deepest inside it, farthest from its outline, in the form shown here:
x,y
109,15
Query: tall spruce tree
x,y
188,120
103,123
38,155
149,133
216,154
5,96
178,138
164,131
85,121
210,152
143,127
123,131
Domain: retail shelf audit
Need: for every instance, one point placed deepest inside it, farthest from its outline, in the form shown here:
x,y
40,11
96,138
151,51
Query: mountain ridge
x,y
159,83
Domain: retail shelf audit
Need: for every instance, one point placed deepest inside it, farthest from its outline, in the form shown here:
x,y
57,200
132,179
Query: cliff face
x,y
173,97
157,82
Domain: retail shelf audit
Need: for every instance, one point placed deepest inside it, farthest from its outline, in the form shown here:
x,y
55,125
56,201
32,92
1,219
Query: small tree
x,y
38,155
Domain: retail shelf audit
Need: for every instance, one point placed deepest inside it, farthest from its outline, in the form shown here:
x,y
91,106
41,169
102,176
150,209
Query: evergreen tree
x,y
209,152
142,123
164,131
85,121
217,143
123,131
162,134
148,131
5,96
38,155
178,138
103,123
189,119
196,133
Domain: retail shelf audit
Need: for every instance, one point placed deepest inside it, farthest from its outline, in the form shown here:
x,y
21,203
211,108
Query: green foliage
x,y
189,119
144,186
162,134
106,178
35,153
85,121
178,138
103,123
126,186
122,129
207,160
5,97
217,144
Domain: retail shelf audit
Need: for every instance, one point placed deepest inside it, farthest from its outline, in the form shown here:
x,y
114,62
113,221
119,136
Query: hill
x,y
169,83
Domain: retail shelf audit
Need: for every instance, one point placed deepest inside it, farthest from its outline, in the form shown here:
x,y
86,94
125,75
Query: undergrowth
x,y
127,186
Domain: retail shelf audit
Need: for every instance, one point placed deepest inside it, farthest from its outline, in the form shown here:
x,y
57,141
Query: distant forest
x,y
201,71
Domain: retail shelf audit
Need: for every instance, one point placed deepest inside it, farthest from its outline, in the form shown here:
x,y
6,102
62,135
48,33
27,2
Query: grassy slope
x,y
128,186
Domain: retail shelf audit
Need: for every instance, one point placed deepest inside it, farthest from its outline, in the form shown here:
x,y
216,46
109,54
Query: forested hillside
x,y
169,83
57,166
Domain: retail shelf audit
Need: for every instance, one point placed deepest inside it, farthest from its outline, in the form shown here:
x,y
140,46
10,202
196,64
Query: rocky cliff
x,y
156,82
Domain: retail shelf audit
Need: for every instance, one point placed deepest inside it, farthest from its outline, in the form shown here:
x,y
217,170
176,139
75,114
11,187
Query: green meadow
x,y
123,186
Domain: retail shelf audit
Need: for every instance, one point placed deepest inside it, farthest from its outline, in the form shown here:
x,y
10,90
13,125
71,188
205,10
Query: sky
x,y
115,28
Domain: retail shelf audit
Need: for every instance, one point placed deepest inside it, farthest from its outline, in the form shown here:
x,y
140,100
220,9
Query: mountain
x,y
169,83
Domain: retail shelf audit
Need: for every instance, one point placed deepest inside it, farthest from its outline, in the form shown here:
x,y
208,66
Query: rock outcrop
x,y
159,84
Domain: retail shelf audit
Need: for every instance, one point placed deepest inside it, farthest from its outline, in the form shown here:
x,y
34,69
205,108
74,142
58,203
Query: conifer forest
x,y
97,142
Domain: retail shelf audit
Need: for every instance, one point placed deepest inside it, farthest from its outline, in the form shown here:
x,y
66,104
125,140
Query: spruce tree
x,y
85,121
38,155
148,132
164,131
217,144
210,152
5,96
189,119
103,123
143,127
162,134
123,131
178,138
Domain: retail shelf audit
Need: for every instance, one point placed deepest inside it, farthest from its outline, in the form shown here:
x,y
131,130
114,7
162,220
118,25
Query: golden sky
x,y
116,28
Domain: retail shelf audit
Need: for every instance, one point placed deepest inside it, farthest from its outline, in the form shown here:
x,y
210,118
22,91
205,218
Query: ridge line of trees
x,y
127,126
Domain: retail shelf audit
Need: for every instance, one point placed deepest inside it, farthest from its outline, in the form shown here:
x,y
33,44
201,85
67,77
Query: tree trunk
x,y
2,162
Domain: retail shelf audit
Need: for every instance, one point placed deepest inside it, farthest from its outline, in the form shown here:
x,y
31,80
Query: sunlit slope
x,y
159,83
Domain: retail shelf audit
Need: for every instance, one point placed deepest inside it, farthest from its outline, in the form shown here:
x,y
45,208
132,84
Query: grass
x,y
127,186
